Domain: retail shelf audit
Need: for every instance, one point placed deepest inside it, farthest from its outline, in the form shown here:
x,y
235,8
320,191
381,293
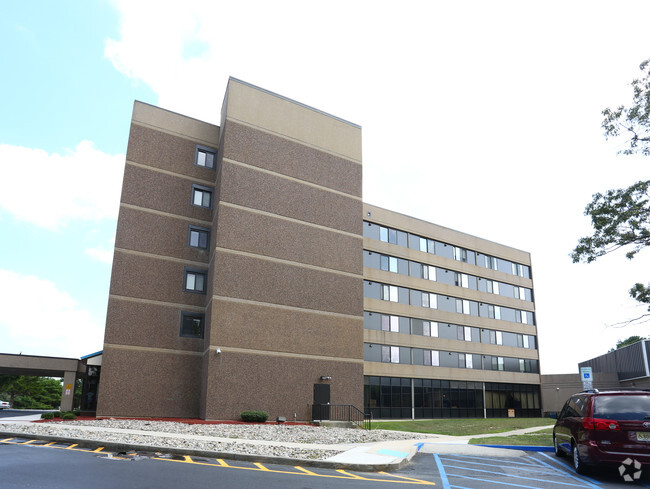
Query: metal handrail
x,y
342,412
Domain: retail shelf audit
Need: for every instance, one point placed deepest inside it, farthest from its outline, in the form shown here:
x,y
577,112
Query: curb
x,y
125,447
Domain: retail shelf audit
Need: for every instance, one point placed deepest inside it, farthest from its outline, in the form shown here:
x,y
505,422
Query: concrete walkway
x,y
384,455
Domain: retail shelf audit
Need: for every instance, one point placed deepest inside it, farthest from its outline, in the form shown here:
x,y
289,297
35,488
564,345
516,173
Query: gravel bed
x,y
269,432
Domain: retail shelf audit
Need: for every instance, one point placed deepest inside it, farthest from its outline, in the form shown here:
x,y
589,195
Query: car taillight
x,y
600,424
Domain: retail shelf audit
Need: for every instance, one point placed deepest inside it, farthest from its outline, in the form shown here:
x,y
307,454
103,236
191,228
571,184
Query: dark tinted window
x,y
629,407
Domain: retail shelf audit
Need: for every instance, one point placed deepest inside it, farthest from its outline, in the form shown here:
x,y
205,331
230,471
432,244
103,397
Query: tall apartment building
x,y
248,274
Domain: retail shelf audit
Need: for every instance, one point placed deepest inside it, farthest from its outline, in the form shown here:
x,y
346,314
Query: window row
x,y
373,352
404,295
429,272
420,327
394,397
427,245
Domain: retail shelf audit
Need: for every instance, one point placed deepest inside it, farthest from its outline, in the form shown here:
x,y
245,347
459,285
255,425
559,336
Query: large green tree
x,y
621,217
31,392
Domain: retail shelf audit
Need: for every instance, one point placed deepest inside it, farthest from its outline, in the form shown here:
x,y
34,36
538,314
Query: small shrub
x,y
68,416
56,414
47,416
76,412
254,416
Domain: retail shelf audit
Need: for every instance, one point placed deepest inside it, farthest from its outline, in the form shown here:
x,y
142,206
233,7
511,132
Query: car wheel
x,y
578,464
558,451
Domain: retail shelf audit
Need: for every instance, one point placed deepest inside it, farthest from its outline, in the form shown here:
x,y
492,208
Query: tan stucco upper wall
x,y
270,112
176,124
423,228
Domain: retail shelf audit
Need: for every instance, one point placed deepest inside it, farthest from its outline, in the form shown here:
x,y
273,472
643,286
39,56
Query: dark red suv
x,y
611,427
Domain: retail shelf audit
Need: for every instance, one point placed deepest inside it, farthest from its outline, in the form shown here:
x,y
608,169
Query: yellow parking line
x,y
308,472
261,467
418,481
71,446
50,444
188,459
222,463
351,476
96,450
6,440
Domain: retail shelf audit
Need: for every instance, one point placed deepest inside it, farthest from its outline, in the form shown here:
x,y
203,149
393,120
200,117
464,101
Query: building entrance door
x,y
321,408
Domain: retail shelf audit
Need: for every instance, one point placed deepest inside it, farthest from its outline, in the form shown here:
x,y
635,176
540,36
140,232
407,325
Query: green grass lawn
x,y
462,427
543,438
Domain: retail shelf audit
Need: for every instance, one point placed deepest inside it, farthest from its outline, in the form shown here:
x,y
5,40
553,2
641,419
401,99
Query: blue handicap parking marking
x,y
530,472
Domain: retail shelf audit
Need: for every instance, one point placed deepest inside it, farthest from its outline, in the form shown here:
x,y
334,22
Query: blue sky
x,y
480,116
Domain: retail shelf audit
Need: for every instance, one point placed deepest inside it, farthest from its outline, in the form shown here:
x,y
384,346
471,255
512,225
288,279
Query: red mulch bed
x,y
173,420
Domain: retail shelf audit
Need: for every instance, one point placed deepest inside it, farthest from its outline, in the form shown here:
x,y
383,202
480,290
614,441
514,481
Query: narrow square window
x,y
435,358
423,244
195,281
385,323
469,361
468,333
434,329
205,157
425,272
198,237
394,324
385,354
192,324
461,360
201,196
383,234
427,357
433,274
392,261
394,354
499,339
383,262
425,299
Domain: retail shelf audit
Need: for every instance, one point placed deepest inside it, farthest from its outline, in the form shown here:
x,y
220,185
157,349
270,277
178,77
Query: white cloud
x,y
49,190
39,319
100,253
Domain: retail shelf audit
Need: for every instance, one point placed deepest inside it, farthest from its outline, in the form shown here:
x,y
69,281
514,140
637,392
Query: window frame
x,y
202,188
192,315
195,271
198,229
207,150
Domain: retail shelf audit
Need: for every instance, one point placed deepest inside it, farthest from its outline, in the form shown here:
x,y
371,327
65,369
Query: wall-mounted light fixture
x,y
325,377
218,351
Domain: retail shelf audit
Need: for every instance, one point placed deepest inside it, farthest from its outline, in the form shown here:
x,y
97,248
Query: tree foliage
x,y
633,122
621,217
629,341
31,392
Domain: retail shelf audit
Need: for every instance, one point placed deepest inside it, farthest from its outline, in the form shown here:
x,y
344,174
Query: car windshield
x,y
627,407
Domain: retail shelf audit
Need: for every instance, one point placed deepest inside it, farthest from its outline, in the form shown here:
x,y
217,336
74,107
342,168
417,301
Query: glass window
x,y
462,306
499,337
461,279
201,196
198,237
423,244
192,324
205,157
383,234
389,293
195,280
460,254
435,358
